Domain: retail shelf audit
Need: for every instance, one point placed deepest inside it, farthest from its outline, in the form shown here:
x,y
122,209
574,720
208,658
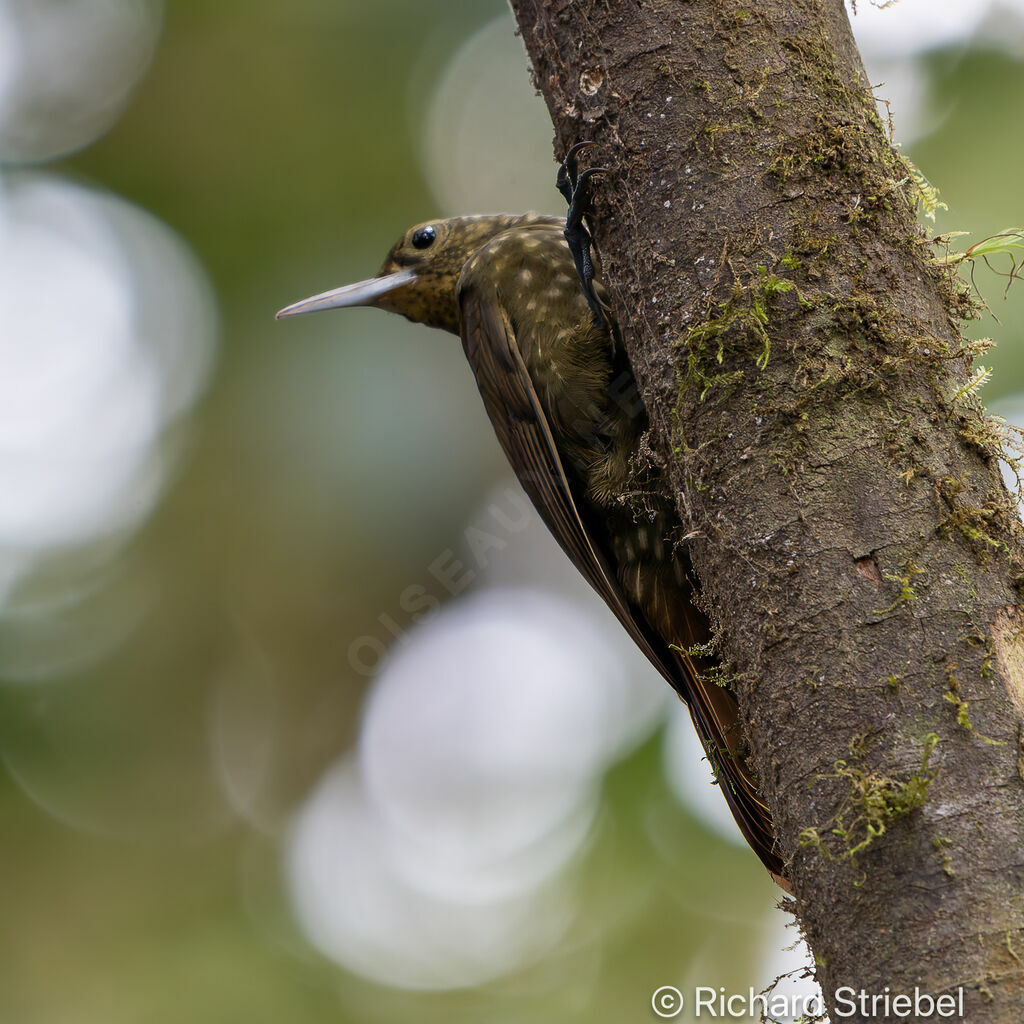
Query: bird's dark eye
x,y
423,238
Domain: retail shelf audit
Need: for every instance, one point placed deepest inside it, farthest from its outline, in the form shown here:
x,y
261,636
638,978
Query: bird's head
x,y
420,276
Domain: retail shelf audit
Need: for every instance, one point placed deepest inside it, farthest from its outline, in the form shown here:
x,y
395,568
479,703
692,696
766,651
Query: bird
x,y
537,330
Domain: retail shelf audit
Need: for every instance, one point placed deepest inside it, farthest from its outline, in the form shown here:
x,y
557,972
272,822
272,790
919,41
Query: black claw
x,y
575,187
568,175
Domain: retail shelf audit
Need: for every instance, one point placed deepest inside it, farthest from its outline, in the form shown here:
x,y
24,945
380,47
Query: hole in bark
x,y
868,568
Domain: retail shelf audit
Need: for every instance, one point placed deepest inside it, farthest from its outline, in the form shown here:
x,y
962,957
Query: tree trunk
x,y
809,392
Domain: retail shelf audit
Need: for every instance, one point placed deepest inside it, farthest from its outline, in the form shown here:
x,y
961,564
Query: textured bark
x,y
802,364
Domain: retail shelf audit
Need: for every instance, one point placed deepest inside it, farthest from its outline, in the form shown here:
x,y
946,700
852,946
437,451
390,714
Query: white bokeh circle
x,y
109,331
67,69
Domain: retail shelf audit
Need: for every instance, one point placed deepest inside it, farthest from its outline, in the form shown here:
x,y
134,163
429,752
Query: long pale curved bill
x,y
362,293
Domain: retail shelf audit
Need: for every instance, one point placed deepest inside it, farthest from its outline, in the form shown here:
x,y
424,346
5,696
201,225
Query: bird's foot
x,y
575,187
568,172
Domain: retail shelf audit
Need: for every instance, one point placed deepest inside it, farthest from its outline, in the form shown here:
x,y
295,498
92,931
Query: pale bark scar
x,y
1008,639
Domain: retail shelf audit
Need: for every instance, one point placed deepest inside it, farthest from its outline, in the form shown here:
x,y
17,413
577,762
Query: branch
x,y
809,390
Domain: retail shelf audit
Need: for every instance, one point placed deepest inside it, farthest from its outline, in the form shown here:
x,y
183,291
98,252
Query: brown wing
x,y
525,435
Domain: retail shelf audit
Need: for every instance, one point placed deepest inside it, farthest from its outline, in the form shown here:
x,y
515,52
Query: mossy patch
x,y
906,592
986,525
941,846
739,323
872,803
954,696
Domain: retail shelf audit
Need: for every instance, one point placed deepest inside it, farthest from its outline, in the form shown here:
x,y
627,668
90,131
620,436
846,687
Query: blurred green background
x,y
172,694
